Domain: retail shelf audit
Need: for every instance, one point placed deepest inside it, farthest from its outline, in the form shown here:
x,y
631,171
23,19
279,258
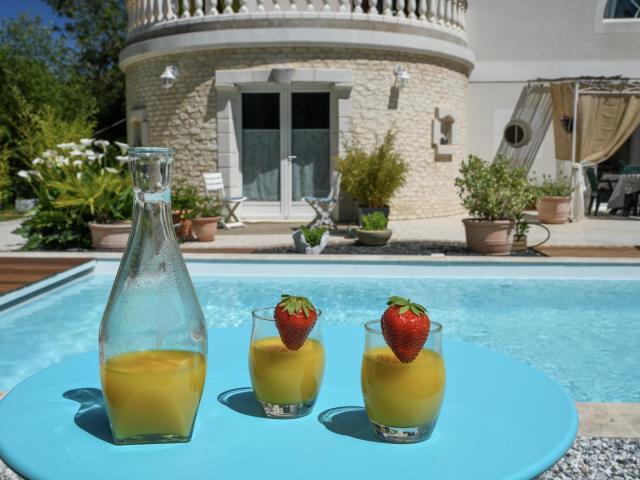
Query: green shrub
x,y
312,235
204,207
375,221
184,197
5,180
494,191
373,178
75,184
560,187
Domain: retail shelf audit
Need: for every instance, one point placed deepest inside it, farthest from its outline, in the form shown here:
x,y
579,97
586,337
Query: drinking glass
x,y
402,400
285,382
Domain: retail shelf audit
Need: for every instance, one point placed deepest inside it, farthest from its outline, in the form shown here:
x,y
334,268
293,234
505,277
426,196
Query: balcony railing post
x,y
357,6
276,6
400,8
387,7
185,9
198,11
310,6
411,6
373,7
228,7
344,6
422,10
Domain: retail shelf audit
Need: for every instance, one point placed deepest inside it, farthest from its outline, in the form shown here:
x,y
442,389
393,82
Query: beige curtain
x,y
562,107
605,122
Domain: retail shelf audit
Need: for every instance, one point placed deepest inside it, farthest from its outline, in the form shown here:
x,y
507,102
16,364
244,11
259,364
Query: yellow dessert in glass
x,y
284,376
153,392
402,394
285,382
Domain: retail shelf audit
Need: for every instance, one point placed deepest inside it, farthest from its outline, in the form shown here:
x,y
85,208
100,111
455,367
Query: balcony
x,y
434,27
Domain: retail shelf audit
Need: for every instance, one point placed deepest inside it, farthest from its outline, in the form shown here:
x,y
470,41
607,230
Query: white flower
x,y
76,153
123,147
100,156
36,161
103,144
49,153
35,173
111,170
23,174
120,158
67,146
77,163
79,175
86,142
91,157
62,161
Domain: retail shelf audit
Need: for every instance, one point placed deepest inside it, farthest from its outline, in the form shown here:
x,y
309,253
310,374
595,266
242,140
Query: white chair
x,y
324,206
214,184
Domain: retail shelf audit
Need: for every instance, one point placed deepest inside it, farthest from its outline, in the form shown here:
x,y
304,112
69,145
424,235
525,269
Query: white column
x,y
344,6
327,6
276,5
440,14
411,6
211,7
357,6
228,4
387,7
310,6
422,9
170,11
243,6
373,10
260,6
198,5
432,6
399,8
450,12
463,16
185,7
456,10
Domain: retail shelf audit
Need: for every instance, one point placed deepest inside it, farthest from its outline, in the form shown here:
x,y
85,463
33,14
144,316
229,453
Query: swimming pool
x,y
578,323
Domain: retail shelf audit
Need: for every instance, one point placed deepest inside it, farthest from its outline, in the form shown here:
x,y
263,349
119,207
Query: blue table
x,y
500,420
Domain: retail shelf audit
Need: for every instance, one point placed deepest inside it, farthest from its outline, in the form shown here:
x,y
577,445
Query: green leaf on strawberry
x,y
405,327
295,317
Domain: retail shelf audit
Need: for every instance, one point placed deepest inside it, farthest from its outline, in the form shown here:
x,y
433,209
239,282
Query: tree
x,y
98,30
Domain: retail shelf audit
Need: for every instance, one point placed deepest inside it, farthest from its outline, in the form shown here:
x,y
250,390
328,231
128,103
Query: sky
x,y
13,8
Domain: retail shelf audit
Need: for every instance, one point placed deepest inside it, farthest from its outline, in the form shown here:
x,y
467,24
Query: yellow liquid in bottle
x,y
402,394
282,376
154,392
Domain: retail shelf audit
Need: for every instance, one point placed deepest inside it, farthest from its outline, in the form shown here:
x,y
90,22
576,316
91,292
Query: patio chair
x,y
599,193
631,169
324,206
214,184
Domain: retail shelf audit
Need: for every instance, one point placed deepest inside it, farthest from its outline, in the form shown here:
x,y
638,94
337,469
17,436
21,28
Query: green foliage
x,y
184,197
373,178
312,235
560,187
75,184
522,226
98,28
493,191
205,207
375,221
5,180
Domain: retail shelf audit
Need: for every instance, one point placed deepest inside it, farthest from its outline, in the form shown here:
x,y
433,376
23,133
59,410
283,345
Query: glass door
x,y
285,152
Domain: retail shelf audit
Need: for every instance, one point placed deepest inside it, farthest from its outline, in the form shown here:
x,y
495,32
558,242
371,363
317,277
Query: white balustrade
x,y
450,14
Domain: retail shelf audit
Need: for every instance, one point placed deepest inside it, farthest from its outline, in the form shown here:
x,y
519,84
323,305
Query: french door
x,y
285,152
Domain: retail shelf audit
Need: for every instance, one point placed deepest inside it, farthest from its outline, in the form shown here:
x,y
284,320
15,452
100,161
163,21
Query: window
x,y
517,133
622,9
443,135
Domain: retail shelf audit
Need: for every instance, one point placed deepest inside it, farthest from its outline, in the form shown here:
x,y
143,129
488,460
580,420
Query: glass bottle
x,y
153,337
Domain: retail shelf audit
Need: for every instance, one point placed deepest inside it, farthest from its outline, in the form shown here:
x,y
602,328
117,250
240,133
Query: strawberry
x,y
295,317
405,327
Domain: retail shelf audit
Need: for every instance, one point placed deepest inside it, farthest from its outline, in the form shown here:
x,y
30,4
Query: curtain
x,y
562,107
261,164
311,167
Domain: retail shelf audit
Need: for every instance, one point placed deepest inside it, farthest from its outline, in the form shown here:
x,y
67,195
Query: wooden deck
x,y
591,252
19,272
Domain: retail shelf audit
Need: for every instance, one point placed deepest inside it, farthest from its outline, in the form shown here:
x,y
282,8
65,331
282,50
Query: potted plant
x,y
554,205
374,230
520,237
205,217
495,195
310,240
373,178
183,201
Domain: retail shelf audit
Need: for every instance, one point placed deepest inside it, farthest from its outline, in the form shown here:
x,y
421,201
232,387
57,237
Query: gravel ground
x,y
589,459
398,248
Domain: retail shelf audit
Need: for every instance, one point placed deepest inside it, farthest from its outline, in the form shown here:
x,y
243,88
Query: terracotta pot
x,y
519,243
373,238
184,230
205,228
110,236
489,237
554,209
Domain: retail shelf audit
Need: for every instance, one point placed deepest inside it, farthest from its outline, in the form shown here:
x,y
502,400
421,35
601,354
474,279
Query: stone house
x,y
269,92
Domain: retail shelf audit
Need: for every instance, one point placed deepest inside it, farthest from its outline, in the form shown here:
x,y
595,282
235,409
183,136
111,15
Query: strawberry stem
x,y
293,304
405,305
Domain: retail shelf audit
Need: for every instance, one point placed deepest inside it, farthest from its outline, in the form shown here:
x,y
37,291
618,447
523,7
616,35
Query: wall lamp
x,y
402,77
169,76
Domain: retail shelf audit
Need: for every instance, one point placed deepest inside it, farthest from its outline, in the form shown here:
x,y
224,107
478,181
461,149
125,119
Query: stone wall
x,y
184,117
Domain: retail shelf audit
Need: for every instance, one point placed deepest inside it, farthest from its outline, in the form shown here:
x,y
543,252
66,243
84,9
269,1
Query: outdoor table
x,y
627,184
501,419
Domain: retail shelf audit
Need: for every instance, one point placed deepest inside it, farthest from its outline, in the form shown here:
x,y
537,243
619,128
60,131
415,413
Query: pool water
x,y
585,334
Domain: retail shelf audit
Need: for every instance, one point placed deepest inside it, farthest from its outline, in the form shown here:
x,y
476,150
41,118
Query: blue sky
x,y
13,8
